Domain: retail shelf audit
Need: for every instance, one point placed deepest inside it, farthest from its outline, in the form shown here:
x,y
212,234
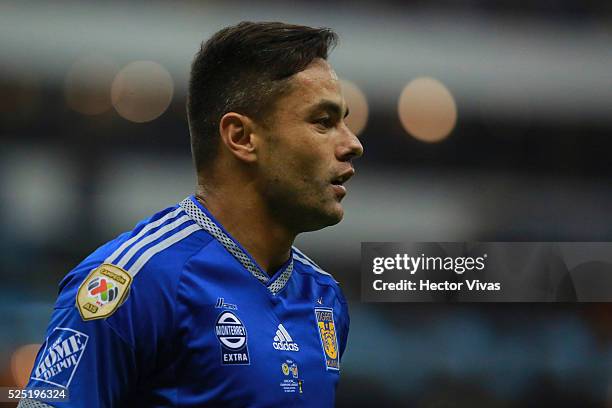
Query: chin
x,y
338,214
325,218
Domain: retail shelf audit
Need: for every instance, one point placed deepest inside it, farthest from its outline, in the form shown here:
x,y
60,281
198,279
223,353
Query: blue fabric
x,y
197,329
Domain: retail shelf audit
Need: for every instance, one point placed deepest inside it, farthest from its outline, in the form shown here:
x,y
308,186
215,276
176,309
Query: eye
x,y
325,122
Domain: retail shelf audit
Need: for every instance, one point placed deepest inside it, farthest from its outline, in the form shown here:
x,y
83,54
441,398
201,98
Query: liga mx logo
x,y
102,290
232,337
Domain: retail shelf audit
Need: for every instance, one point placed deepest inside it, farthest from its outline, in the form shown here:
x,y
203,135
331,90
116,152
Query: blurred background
x,y
482,121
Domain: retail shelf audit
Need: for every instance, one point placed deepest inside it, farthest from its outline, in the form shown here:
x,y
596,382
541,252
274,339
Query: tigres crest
x,y
329,340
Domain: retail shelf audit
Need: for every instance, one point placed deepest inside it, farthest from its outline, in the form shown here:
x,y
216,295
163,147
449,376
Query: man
x,y
207,303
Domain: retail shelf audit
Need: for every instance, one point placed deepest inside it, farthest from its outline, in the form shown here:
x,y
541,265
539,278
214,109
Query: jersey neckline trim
x,y
206,221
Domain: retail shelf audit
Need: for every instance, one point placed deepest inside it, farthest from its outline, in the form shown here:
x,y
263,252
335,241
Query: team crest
x,y
103,291
327,334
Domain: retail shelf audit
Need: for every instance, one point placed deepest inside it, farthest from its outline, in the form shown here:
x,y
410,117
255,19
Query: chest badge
x,y
327,334
232,336
291,381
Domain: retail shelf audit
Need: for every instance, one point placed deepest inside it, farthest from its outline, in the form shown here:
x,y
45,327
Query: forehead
x,y
315,83
318,71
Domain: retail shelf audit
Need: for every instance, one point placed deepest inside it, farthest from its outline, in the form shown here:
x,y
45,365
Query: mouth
x,y
343,177
338,181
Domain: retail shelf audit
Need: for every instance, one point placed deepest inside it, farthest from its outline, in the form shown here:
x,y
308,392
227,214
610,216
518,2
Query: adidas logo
x,y
283,341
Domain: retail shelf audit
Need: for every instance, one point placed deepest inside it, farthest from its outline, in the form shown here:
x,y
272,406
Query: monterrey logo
x,y
102,290
232,337
60,357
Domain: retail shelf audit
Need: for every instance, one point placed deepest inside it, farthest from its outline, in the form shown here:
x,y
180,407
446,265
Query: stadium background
x,y
486,121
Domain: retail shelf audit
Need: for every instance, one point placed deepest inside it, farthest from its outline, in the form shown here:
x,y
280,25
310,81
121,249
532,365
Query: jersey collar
x,y
205,220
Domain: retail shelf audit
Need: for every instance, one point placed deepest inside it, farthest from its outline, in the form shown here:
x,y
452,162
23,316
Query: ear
x,y
236,132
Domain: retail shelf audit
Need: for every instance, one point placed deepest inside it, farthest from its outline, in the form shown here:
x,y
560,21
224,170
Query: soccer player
x,y
207,303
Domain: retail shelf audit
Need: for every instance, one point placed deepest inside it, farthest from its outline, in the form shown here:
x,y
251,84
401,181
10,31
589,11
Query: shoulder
x,y
309,269
306,266
148,258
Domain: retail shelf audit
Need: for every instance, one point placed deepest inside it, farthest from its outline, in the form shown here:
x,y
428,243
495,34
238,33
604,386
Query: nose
x,y
350,147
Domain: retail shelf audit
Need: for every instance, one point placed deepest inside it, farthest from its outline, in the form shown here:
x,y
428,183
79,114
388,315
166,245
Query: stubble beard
x,y
301,209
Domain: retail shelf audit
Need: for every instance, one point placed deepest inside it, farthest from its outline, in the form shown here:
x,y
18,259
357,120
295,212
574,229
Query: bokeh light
x,y
142,91
427,110
22,362
87,85
358,106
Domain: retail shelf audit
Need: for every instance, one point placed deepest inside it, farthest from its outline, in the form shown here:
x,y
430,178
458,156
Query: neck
x,y
245,216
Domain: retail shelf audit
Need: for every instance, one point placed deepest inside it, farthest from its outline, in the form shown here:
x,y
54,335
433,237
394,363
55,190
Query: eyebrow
x,y
329,106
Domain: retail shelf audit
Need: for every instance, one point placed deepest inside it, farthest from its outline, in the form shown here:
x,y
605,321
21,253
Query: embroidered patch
x,y
232,337
283,341
327,334
103,291
291,382
60,358
222,304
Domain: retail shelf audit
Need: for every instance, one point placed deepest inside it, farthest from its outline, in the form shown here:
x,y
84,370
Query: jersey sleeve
x,y
106,360
87,358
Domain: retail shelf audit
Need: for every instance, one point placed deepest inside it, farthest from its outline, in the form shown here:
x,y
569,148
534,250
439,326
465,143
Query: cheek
x,y
313,159
300,159
312,173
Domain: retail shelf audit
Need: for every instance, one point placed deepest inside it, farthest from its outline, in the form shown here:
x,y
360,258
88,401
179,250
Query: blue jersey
x,y
176,313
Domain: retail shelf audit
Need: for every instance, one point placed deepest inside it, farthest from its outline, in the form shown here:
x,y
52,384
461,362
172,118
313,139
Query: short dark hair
x,y
245,68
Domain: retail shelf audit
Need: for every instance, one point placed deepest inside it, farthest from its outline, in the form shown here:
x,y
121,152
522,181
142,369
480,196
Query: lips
x,y
339,190
343,177
338,181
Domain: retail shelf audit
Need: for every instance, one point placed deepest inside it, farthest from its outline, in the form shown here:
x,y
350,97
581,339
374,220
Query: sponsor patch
x,y
327,334
60,358
103,291
232,336
221,304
